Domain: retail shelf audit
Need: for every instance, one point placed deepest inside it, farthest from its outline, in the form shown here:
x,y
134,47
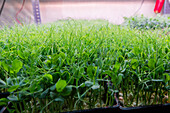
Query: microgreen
x,y
76,64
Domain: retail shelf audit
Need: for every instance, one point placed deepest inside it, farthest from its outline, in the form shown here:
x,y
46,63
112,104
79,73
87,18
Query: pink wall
x,y
53,10
113,11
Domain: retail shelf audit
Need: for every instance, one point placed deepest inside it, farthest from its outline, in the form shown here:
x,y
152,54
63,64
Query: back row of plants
x,y
142,22
74,65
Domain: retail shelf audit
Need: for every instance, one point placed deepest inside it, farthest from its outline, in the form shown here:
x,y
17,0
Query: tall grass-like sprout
x,y
76,64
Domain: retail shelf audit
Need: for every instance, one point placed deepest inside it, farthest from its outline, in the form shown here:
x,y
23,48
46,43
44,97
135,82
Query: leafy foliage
x,y
141,22
67,64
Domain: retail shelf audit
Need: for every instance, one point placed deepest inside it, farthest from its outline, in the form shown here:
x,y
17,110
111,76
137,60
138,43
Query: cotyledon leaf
x,y
16,65
60,85
13,88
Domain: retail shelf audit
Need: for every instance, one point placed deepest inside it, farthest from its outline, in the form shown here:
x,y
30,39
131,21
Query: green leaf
x,y
20,54
166,77
5,66
35,87
53,95
24,92
60,85
82,85
119,79
136,50
16,65
44,94
114,79
120,58
160,67
134,67
157,80
130,55
2,82
13,88
160,61
37,91
88,83
67,91
107,73
143,54
95,70
3,101
52,88
48,76
166,50
59,99
96,86
90,72
151,63
12,98
116,67
65,75
3,104
134,63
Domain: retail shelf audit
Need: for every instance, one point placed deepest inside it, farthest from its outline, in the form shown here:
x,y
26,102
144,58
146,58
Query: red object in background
x,y
19,12
158,6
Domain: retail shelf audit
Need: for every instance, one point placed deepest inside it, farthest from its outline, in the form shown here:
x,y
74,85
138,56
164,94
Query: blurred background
x,y
53,10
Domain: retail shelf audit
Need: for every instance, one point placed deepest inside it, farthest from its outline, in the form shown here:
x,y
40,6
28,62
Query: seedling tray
x,y
115,109
151,108
98,110
165,108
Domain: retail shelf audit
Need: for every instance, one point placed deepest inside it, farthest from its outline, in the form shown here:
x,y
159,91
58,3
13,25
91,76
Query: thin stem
x,y
35,106
53,107
150,94
161,94
29,106
25,106
156,92
100,96
137,97
20,106
46,101
106,98
16,108
90,102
